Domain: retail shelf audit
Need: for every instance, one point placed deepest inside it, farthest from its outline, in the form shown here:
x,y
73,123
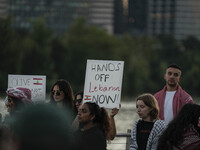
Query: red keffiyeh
x,y
180,99
24,94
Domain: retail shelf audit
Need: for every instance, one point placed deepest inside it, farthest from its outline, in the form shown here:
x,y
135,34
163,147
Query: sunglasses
x,y
56,92
77,100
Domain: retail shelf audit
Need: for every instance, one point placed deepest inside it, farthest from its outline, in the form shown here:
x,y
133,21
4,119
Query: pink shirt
x,y
180,98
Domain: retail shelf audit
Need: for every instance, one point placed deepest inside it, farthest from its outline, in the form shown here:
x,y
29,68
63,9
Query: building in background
x,y
180,18
59,14
101,13
3,8
137,17
161,17
119,23
187,20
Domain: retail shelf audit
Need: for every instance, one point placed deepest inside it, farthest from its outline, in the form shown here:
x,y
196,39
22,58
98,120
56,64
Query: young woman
x,y
146,130
183,132
62,94
95,127
78,100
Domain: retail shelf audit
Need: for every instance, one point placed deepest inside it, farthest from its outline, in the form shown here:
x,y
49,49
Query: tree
x,y
37,51
8,51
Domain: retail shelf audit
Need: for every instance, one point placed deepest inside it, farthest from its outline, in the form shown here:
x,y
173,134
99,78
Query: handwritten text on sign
x,y
37,84
103,82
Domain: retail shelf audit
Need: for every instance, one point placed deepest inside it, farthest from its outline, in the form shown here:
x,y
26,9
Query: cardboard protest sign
x,y
36,83
103,82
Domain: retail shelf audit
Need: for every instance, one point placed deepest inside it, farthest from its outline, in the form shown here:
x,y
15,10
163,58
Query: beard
x,y
172,83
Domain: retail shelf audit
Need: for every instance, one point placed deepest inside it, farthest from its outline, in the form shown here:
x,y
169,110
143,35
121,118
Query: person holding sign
x,y
113,130
95,127
78,102
62,95
146,130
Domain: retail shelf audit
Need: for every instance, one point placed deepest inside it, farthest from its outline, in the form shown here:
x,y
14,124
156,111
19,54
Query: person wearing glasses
x,y
78,100
62,95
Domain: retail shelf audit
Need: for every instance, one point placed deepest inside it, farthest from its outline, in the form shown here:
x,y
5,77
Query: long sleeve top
x,y
152,142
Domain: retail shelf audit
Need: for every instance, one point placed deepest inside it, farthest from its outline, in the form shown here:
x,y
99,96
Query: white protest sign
x,y
36,83
103,82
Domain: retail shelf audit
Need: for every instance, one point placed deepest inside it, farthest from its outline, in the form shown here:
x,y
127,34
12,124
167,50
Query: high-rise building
x,y
187,21
119,24
3,8
59,14
137,17
180,18
101,13
161,17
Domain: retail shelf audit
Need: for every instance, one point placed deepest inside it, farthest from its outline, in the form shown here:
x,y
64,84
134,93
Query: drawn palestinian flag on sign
x,y
37,81
87,97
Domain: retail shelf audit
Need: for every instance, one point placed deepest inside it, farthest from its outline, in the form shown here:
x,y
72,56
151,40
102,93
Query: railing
x,y
118,144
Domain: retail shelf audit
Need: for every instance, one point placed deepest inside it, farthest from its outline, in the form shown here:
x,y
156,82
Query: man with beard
x,y
172,97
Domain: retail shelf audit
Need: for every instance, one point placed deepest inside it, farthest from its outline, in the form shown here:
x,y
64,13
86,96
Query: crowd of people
x,y
168,120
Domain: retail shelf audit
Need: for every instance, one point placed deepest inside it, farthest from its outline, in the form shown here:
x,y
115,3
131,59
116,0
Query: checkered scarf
x,y
24,94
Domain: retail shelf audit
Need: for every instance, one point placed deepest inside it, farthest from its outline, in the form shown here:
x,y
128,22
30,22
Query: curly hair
x,y
101,117
68,92
173,135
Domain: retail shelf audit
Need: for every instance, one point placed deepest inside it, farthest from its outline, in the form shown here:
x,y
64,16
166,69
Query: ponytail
x,y
101,117
104,123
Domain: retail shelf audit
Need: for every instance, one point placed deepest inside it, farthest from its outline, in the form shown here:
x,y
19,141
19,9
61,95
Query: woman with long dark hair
x,y
62,95
79,100
183,131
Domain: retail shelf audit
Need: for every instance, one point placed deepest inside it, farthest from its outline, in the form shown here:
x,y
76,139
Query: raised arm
x,y
112,123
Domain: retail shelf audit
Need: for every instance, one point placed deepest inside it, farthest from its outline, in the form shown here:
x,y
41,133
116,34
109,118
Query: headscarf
x,y
24,94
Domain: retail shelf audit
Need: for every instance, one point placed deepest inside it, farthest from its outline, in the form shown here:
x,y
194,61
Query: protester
x,y
172,97
41,127
183,132
95,127
79,100
146,130
17,98
113,130
62,95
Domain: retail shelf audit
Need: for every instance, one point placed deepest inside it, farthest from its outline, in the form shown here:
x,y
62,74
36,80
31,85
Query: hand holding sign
x,y
103,82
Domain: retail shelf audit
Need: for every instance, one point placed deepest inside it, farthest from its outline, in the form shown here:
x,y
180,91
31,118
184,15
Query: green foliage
x,y
39,52
9,51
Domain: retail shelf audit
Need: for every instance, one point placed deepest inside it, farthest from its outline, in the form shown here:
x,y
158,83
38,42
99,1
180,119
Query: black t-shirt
x,y
143,131
91,139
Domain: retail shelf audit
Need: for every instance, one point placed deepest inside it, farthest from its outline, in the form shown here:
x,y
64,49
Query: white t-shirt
x,y
168,106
